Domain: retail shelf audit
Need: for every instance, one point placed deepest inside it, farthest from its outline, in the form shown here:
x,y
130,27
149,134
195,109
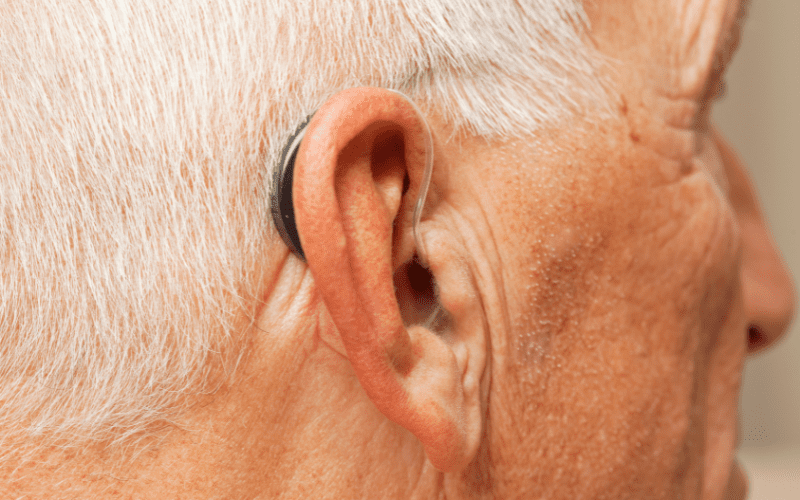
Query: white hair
x,y
136,143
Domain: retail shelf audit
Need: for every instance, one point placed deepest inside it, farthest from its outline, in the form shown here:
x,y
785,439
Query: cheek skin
x,y
602,387
726,362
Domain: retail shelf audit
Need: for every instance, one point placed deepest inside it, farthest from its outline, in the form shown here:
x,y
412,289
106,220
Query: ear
x,y
356,177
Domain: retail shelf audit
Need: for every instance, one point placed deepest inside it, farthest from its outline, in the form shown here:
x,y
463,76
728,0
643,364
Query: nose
x,y
768,290
769,294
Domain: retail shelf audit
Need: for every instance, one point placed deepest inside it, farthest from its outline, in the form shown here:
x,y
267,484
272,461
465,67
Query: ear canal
x,y
418,297
282,199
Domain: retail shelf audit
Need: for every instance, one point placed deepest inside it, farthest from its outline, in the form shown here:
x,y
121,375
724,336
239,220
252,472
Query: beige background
x,y
761,117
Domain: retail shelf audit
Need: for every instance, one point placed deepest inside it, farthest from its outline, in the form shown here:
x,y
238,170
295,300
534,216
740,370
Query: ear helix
x,y
282,203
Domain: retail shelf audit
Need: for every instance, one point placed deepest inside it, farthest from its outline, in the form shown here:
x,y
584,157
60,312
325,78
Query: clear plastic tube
x,y
422,196
437,317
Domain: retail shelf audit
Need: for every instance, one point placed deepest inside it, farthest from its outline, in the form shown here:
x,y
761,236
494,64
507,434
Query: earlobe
x,y
353,216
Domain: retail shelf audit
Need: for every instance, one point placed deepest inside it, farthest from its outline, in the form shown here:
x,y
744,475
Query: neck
x,y
295,423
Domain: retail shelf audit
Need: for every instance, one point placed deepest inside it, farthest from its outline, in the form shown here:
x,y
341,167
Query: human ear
x,y
362,159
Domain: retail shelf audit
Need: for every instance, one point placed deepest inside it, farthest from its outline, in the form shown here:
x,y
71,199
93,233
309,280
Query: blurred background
x,y
760,116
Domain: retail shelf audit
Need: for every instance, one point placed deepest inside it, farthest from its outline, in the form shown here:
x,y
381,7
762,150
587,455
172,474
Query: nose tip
x,y
767,287
770,299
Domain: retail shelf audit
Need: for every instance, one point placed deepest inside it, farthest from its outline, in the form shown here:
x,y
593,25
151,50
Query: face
x,y
625,271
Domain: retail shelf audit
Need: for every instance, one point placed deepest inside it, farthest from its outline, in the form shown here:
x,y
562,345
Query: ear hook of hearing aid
x,y
282,200
438,315
425,183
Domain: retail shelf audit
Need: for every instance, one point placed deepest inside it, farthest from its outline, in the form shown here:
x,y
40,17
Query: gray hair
x,y
136,144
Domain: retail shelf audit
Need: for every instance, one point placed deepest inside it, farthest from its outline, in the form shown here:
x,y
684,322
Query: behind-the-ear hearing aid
x,y
282,199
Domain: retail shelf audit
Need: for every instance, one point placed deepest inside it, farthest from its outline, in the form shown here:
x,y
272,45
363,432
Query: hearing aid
x,y
282,199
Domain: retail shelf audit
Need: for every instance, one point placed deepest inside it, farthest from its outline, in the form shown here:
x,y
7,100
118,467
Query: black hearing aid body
x,y
282,200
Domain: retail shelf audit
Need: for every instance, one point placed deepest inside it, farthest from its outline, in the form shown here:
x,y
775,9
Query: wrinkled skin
x,y
630,282
637,268
605,281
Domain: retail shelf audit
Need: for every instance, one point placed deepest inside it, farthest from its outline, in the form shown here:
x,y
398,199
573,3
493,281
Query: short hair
x,y
137,143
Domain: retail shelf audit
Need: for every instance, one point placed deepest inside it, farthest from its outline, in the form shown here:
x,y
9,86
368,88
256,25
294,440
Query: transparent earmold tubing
x,y
426,180
438,315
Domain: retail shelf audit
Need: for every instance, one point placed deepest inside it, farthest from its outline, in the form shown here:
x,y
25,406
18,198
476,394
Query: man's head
x,y
594,254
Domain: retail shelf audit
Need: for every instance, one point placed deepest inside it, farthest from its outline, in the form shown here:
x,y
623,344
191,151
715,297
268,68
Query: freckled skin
x,y
603,373
620,253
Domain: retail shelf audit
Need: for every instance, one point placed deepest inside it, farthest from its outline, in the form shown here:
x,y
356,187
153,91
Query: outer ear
x,y
352,220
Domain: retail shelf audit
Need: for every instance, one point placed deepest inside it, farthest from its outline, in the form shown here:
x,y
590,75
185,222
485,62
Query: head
x,y
592,267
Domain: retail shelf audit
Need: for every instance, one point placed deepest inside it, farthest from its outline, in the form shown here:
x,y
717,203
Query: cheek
x,y
619,309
